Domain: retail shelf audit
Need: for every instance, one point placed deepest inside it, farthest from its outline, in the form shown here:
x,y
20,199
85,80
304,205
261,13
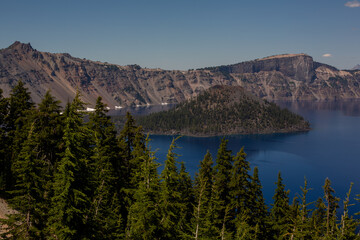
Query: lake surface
x,y
331,149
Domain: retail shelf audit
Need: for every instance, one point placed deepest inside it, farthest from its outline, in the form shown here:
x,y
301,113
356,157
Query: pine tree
x,y
16,127
331,206
70,203
202,190
220,211
280,209
318,219
300,225
348,224
240,190
50,129
144,213
28,193
187,202
3,148
105,211
128,165
170,199
258,210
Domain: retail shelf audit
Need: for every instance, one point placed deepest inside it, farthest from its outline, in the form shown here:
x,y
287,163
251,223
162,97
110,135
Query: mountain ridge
x,y
279,77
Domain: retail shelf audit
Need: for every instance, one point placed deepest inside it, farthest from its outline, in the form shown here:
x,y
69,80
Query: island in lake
x,y
223,110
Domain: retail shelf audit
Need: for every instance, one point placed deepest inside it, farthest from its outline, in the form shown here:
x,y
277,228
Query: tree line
x,y
71,178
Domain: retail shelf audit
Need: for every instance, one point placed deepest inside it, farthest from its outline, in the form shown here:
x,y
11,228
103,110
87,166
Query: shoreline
x,y
223,134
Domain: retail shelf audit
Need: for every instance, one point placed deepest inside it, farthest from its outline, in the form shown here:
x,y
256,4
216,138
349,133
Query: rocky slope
x,y
357,67
286,77
223,110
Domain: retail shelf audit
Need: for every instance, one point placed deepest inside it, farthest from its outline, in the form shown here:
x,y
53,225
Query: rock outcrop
x,y
280,77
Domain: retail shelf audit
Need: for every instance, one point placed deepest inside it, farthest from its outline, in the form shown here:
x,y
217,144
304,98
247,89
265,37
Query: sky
x,y
186,34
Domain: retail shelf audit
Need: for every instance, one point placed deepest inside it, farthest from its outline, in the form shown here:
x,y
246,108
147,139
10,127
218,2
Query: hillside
x,y
223,110
280,77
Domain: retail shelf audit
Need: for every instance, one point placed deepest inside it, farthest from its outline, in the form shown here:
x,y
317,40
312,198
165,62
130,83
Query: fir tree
x,y
202,190
220,212
331,206
131,149
144,214
187,202
240,190
28,193
105,203
348,225
70,203
50,129
258,210
300,225
16,127
280,209
170,199
318,219
3,148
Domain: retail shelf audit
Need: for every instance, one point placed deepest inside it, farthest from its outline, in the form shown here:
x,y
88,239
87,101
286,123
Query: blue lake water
x,y
331,149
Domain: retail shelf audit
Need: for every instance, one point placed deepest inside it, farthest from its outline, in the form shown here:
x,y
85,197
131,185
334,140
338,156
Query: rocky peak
x,y
357,67
19,46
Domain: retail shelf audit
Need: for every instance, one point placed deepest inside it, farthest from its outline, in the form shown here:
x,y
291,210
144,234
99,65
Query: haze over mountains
x,y
280,77
357,67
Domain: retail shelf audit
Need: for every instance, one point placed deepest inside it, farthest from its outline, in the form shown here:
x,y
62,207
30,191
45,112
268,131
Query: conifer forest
x,y
70,175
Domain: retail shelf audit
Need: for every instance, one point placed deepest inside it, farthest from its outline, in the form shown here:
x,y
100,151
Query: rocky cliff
x,y
281,77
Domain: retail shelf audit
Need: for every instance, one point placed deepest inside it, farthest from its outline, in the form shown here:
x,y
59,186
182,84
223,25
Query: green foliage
x,y
3,160
220,111
105,215
70,203
280,212
144,214
203,190
171,204
68,179
220,213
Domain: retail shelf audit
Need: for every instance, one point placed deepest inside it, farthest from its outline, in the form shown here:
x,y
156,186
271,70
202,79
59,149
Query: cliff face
x,y
287,77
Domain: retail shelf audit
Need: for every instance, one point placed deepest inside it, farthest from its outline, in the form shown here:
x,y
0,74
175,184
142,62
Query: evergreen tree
x,y
202,190
144,214
280,209
3,148
105,201
128,165
318,219
300,225
187,202
28,194
258,210
331,206
220,211
348,225
16,127
170,199
33,168
70,203
240,190
50,129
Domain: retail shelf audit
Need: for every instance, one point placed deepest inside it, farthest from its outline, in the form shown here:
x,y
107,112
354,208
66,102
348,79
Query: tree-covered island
x,y
223,110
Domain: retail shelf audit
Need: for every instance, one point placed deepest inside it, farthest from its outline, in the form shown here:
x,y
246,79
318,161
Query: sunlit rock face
x,y
280,77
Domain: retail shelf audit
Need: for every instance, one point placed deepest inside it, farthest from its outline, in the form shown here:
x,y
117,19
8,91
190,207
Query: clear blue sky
x,y
185,34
